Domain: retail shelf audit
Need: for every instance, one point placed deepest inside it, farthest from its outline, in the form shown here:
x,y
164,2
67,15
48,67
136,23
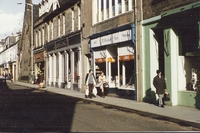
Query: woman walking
x,y
102,80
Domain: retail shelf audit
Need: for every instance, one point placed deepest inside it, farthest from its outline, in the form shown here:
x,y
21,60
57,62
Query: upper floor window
x,y
59,26
36,39
72,11
104,9
79,18
63,23
51,30
39,39
43,36
47,26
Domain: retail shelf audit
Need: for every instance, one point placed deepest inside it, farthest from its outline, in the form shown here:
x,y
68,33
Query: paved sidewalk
x,y
187,116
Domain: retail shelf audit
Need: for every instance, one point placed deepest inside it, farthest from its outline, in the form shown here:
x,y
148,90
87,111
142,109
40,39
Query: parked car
x,y
3,84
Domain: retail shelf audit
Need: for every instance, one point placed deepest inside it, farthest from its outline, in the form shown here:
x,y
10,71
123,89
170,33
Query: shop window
x,y
127,72
188,44
100,67
114,69
69,67
76,66
57,67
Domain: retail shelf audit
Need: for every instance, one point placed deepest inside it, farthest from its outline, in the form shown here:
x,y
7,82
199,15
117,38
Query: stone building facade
x,y
112,42
58,44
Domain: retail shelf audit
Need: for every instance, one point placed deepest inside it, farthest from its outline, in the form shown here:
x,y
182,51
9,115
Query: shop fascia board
x,y
180,9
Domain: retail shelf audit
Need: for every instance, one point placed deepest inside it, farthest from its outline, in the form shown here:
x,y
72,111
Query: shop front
x,y
113,54
39,68
172,45
64,62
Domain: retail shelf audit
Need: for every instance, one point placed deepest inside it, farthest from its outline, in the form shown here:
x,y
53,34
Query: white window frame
x,y
43,36
72,13
51,29
58,26
39,37
104,12
48,32
79,18
63,23
36,39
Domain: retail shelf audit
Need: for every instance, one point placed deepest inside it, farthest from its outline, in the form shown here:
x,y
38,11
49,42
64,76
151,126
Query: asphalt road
x,y
28,110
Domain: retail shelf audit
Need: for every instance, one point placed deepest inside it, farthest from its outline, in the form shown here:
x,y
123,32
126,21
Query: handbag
x,y
106,85
166,97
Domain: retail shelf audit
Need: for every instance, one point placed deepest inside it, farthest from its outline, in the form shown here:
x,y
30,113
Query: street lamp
x,y
31,4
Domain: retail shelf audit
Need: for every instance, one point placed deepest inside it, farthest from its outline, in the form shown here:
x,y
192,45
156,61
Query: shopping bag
x,y
95,91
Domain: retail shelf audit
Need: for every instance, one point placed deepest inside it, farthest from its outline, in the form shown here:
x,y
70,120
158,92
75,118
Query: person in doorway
x,y
102,81
90,82
160,85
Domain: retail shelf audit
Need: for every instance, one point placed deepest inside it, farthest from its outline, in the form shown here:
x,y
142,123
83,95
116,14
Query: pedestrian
x,y
160,85
11,77
102,81
90,82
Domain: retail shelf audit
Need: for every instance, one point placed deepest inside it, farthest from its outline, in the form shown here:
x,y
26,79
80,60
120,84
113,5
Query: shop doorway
x,y
159,36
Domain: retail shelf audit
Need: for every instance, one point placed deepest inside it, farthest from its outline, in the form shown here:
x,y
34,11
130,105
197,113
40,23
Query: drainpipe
x,y
134,47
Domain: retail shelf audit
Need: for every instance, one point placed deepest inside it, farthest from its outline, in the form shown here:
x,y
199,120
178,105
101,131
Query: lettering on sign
x,y
116,37
95,42
126,35
121,36
106,39
59,45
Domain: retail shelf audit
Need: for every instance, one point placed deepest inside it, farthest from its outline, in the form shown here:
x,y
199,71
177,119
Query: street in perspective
x,y
99,65
25,109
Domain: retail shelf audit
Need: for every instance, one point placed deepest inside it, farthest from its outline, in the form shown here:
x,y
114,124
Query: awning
x,y
100,60
126,57
110,59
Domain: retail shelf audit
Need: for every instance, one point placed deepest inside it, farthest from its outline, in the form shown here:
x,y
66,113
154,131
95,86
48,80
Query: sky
x,y
11,16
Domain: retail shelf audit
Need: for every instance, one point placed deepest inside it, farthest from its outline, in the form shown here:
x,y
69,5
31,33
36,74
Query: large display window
x,y
126,73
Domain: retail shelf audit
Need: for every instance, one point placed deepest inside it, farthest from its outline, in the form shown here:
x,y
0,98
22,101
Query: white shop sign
x,y
95,42
106,39
125,35
121,36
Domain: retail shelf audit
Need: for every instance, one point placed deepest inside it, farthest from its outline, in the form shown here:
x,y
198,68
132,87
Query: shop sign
x,y
39,57
95,42
106,39
125,35
118,37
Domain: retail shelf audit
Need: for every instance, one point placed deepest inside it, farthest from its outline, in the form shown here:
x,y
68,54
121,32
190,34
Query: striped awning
x,y
126,57
100,60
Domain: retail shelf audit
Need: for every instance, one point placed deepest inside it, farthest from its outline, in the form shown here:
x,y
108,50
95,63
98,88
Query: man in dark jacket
x,y
160,85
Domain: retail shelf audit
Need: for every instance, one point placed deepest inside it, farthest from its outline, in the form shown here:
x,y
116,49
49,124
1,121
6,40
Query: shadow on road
x,y
26,109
